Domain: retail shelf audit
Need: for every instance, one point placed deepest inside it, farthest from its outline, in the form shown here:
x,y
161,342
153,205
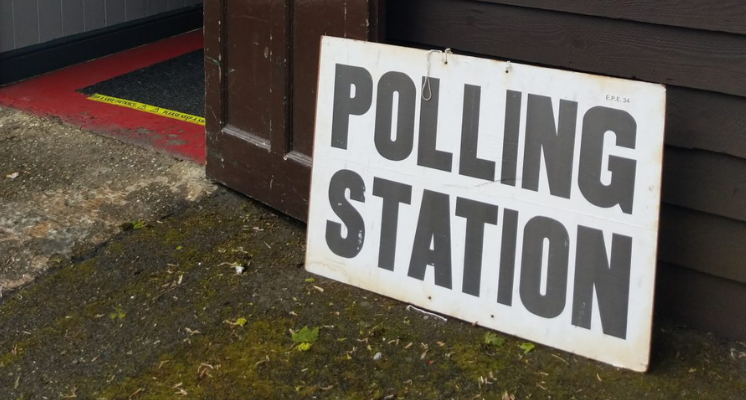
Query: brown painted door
x,y
261,63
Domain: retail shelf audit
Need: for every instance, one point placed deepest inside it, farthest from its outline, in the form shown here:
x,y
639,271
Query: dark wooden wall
x,y
698,49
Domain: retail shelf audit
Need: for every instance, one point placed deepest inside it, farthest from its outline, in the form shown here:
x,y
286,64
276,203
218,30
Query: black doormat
x,y
177,84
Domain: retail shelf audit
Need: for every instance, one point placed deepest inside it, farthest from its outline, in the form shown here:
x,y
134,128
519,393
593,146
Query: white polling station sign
x,y
524,199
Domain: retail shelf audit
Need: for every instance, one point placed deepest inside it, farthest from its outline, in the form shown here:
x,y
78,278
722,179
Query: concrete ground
x,y
127,275
63,190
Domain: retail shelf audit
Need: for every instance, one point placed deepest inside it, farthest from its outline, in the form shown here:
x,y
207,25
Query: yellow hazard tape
x,y
148,108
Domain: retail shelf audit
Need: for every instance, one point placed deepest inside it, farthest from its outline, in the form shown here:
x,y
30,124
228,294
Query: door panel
x,y
254,59
313,18
261,64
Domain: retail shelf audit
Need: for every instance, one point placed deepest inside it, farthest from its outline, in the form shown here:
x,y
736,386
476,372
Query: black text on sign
x,y
523,201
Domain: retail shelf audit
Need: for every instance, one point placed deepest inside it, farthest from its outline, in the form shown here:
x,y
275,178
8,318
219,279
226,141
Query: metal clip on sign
x,y
426,81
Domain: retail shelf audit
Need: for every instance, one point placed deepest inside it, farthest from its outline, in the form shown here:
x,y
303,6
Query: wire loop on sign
x,y
426,83
445,55
411,307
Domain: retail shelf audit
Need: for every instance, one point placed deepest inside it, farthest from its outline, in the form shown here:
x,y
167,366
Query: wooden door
x,y
261,64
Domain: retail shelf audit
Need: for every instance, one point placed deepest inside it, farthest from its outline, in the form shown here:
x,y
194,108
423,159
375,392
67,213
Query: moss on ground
x,y
154,315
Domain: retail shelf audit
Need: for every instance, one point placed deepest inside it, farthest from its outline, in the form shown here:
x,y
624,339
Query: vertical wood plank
x,y
280,96
214,48
377,21
7,35
311,20
73,17
95,16
50,20
115,12
26,22
134,9
261,27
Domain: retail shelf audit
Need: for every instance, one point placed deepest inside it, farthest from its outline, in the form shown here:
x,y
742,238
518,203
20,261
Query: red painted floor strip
x,y
54,94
